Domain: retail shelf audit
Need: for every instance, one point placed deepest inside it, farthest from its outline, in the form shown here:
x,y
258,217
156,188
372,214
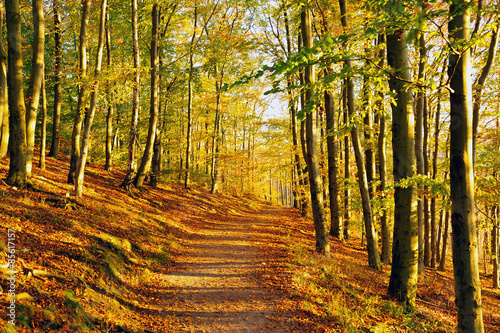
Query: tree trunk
x,y
156,162
43,127
89,116
322,242
214,169
190,100
382,166
132,142
465,255
494,249
419,153
479,84
384,226
347,162
436,255
56,120
17,109
442,263
4,104
404,271
299,193
153,110
371,235
429,230
37,69
109,116
439,236
82,94
336,227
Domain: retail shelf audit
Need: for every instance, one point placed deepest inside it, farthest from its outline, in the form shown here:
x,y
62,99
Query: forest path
x,y
224,286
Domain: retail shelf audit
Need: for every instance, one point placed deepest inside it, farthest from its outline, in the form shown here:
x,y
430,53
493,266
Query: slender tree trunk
x,y
37,69
153,118
190,100
442,263
56,120
384,226
336,227
368,126
429,230
439,236
494,249
347,162
404,271
299,194
132,142
382,166
82,94
109,116
419,153
156,162
4,104
371,235
436,255
214,169
322,242
89,116
17,109
43,127
479,84
464,240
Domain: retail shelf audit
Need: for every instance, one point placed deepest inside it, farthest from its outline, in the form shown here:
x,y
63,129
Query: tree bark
x,y
214,169
419,153
43,126
56,120
333,188
37,68
322,242
404,271
82,94
153,110
4,103
479,84
190,100
347,162
371,235
495,249
384,226
109,116
442,262
382,165
464,240
17,109
132,142
89,116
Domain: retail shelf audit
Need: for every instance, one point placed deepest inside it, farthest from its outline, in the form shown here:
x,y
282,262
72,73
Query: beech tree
x,y
322,243
17,109
4,105
464,240
56,121
132,141
37,74
153,111
90,112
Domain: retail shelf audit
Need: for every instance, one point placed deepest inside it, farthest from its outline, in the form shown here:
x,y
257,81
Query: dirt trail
x,y
221,288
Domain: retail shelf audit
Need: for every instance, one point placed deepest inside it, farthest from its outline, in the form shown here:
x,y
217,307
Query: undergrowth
x,y
330,291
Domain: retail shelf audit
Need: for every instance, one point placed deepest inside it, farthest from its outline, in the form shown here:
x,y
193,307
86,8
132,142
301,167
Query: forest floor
x,y
176,260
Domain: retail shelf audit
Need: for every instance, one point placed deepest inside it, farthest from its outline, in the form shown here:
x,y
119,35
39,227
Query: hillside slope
x,y
176,260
